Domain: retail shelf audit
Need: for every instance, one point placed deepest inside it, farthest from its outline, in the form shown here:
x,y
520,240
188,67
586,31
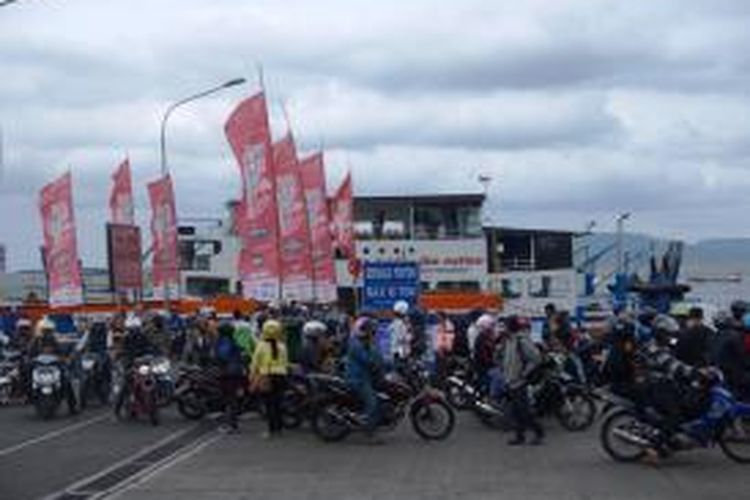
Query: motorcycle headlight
x,y
46,376
88,364
144,370
161,367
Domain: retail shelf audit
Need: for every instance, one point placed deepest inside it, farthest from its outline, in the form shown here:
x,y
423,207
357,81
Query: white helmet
x,y
486,322
314,329
132,322
45,324
401,307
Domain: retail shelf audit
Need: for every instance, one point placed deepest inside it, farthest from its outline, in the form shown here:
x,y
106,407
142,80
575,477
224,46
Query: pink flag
x,y
294,234
166,271
60,246
249,135
121,198
342,213
312,171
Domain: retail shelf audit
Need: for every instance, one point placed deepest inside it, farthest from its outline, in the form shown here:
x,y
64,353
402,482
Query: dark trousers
x,y
523,416
272,400
231,385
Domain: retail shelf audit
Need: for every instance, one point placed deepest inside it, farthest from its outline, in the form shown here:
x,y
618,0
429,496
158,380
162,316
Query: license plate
x,y
47,390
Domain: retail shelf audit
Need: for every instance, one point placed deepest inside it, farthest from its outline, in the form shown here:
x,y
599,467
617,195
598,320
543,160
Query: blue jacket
x,y
362,362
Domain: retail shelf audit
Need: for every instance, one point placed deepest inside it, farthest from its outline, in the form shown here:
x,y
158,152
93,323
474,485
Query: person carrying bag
x,y
268,373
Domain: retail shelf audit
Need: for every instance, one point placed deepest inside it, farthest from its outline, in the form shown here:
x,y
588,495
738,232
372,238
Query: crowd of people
x,y
645,356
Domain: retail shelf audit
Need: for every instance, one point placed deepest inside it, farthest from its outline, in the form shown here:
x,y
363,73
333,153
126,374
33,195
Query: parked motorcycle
x,y
339,409
140,392
629,432
11,385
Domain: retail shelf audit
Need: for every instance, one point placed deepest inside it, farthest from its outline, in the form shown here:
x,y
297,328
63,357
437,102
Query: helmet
x,y
401,307
486,322
23,323
739,308
364,326
666,324
132,322
272,330
45,324
722,319
314,329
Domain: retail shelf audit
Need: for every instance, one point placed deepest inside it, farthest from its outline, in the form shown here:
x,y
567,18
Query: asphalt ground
x,y
47,459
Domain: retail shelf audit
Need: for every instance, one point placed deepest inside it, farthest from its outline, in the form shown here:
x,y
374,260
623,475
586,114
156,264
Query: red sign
x,y
342,213
249,135
312,171
121,198
166,272
294,233
60,246
124,250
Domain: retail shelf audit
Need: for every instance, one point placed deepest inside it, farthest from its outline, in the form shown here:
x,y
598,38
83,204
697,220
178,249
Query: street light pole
x,y
163,138
174,106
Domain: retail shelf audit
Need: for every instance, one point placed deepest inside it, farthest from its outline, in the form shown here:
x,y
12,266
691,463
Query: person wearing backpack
x,y
232,368
521,359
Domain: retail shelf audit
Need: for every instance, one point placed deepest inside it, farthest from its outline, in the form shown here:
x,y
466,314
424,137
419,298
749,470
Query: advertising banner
x,y
342,213
294,234
60,247
312,171
124,257
166,272
249,135
121,209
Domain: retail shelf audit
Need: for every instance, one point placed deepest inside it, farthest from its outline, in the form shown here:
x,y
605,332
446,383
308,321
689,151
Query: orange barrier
x,y
222,305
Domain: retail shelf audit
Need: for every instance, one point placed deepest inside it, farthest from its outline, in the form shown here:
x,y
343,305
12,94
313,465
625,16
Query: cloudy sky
x,y
577,109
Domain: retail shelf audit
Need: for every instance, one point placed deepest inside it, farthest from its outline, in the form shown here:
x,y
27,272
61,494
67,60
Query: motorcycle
x,y
165,382
339,409
555,393
140,391
48,385
630,432
96,378
199,393
11,385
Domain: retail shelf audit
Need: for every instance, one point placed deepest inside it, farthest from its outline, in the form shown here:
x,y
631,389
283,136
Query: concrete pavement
x,y
474,463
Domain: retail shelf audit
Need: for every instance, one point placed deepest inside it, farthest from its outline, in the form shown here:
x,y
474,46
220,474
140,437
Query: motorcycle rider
x,y
484,347
45,342
314,349
135,345
734,357
521,358
663,376
400,333
693,342
363,366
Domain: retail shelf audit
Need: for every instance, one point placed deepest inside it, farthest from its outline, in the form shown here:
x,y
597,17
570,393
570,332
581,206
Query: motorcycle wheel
x,y
190,405
613,435
457,397
432,420
734,439
328,424
153,414
46,408
576,412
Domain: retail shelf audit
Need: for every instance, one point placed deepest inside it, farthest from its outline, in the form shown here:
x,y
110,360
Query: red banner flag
x,y
342,213
249,135
294,233
121,198
312,171
166,271
60,247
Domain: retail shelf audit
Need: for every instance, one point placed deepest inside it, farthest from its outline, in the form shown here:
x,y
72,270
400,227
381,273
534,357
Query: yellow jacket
x,y
263,361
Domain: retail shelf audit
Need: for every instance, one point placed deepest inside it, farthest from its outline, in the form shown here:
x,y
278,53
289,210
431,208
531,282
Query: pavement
x,y
474,463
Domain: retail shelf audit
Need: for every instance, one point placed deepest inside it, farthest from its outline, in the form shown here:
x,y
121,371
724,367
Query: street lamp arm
x,y
172,107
